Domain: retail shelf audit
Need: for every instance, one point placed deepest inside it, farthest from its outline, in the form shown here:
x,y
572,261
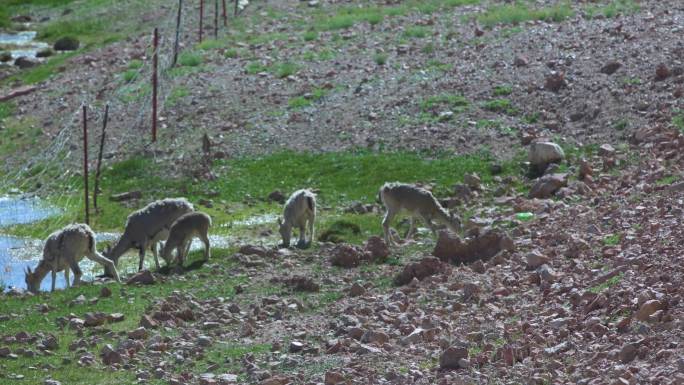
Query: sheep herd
x,y
175,222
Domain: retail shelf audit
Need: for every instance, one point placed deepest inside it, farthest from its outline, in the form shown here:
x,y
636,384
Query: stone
x,y
95,319
424,268
473,181
628,352
43,53
610,68
377,248
301,283
451,356
51,382
296,346
344,255
606,150
534,259
276,380
126,196
143,277
115,317
334,378
110,356
546,186
357,290
16,92
277,196
521,61
555,81
24,62
138,334
148,322
547,273
66,43
105,292
648,308
254,250
5,352
662,72
541,154
375,337
450,247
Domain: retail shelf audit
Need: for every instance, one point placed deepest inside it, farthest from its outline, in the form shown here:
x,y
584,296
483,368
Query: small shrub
x,y
503,90
310,35
135,64
210,44
380,58
519,13
500,105
678,121
416,31
374,18
283,70
231,53
255,68
428,49
130,75
189,59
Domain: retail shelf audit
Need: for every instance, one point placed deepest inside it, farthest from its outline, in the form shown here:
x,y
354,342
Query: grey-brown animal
x,y
181,234
146,227
300,212
63,250
418,202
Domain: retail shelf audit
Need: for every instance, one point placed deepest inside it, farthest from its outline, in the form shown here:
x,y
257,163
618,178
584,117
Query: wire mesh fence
x,y
56,170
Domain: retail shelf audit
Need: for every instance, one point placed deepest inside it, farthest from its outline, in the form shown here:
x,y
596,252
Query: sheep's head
x,y
32,281
167,254
454,222
285,232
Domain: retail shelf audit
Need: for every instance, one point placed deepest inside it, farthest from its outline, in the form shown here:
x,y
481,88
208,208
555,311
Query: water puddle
x,y
257,220
21,44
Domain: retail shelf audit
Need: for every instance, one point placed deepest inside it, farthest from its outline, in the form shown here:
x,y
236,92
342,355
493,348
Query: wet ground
x,y
21,44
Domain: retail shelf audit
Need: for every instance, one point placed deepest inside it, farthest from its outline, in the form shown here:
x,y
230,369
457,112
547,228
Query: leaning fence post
x,y
216,14
201,19
177,42
235,11
155,62
96,188
225,17
85,162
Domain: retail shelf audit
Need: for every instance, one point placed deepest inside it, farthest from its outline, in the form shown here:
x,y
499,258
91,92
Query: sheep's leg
x,y
77,271
54,279
187,248
155,254
431,225
67,277
311,230
141,254
389,215
106,262
207,248
301,242
412,228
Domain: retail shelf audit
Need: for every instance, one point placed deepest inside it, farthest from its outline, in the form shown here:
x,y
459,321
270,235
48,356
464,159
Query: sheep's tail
x,y
310,202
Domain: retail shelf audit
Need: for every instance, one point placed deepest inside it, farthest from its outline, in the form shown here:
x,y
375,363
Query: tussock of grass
x,y
302,101
504,90
519,13
451,101
189,59
211,44
310,35
283,70
380,58
612,9
500,105
416,31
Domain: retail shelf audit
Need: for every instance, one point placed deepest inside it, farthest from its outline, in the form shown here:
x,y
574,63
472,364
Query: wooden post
x,y
96,189
155,63
85,163
201,19
216,14
177,42
225,17
235,11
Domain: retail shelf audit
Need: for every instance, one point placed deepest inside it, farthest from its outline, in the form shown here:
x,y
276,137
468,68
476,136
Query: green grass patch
x,y
500,105
612,9
6,110
177,94
254,67
380,58
606,285
612,240
231,53
130,75
190,59
503,90
678,120
520,12
135,64
417,32
436,65
310,35
211,44
667,180
307,100
451,101
283,70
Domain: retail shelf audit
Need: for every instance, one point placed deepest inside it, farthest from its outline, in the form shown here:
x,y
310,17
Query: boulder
x,y
66,43
25,62
144,277
541,154
450,247
344,255
547,185
450,358
424,268
377,249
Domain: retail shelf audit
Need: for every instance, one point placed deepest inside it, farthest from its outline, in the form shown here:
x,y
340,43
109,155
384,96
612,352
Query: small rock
x,y
51,382
334,378
67,43
144,277
110,356
357,290
547,185
473,181
521,61
648,308
105,292
5,352
47,52
24,62
138,334
662,72
547,273
555,81
296,347
450,358
611,67
606,150
115,317
344,255
535,259
628,353
424,268
148,322
95,319
377,248
541,154
126,196
277,196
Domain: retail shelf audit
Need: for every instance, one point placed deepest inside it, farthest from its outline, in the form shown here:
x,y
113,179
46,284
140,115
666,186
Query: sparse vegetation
x,y
380,58
500,105
190,59
283,70
678,120
612,8
607,285
503,90
519,12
